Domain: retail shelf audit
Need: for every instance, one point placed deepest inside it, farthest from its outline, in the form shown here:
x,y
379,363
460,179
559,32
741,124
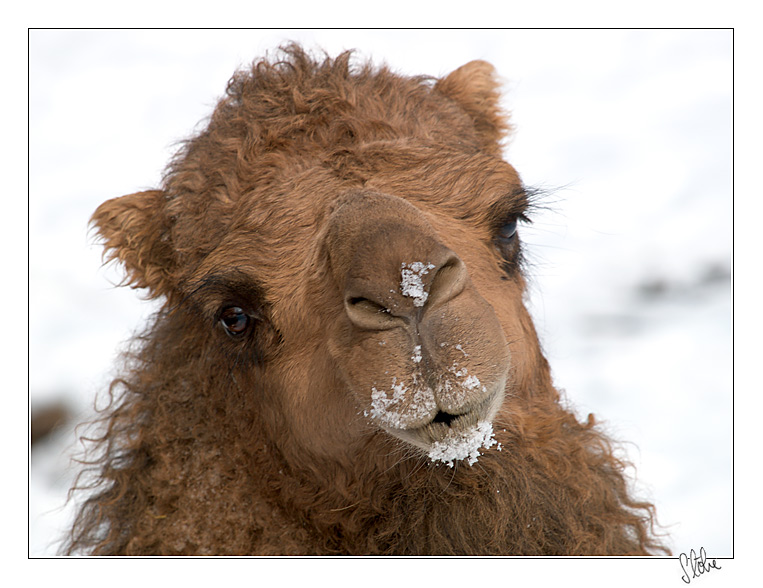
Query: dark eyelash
x,y
515,205
214,292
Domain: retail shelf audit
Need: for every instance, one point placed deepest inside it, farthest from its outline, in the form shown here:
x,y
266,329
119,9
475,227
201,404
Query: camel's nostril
x,y
367,314
444,417
366,305
449,281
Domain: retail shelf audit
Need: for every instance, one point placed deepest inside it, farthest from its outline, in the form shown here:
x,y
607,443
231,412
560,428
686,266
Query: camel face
x,y
377,306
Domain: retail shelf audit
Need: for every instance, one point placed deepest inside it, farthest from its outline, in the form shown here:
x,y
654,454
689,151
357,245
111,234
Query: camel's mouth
x,y
449,438
444,417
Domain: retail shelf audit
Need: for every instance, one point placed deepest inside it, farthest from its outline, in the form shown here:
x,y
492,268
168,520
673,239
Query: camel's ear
x,y
474,86
136,233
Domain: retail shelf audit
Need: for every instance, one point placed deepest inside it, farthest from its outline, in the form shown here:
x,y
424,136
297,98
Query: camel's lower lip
x,y
440,430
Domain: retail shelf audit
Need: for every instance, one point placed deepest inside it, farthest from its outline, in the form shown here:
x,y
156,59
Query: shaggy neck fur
x,y
178,480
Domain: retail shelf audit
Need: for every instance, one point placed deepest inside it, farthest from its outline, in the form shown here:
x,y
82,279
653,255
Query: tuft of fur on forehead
x,y
283,121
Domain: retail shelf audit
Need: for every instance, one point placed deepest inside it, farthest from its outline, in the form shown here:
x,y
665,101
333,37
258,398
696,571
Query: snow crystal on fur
x,y
393,411
463,445
411,283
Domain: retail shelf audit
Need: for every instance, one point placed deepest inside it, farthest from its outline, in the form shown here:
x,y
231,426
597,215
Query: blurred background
x,y
630,131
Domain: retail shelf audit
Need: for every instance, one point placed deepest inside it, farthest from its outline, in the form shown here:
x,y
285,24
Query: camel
x,y
343,363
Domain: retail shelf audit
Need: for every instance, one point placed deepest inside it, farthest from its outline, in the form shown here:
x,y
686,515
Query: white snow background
x,y
630,259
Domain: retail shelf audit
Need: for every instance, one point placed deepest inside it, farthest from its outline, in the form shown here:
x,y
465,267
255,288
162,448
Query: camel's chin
x,y
455,438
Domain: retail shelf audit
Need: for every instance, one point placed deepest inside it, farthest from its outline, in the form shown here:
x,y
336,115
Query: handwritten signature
x,y
696,564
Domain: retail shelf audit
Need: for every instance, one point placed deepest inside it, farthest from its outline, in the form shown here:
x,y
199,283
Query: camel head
x,y
341,245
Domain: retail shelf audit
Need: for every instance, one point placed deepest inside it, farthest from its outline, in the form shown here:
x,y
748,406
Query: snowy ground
x,y
631,262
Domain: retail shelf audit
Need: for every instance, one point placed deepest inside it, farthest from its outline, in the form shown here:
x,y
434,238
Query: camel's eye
x,y
508,231
506,241
234,320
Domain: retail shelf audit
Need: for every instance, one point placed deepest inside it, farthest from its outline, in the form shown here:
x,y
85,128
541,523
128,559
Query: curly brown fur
x,y
266,442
